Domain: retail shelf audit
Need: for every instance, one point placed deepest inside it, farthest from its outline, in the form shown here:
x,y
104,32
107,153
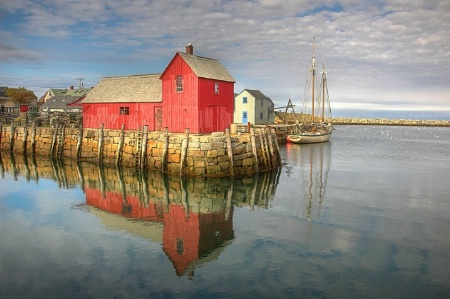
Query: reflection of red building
x,y
130,208
186,239
187,235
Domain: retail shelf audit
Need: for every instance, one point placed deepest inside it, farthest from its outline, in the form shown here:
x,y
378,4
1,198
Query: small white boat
x,y
315,133
317,102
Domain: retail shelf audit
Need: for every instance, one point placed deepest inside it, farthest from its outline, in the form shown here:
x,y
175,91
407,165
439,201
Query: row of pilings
x,y
217,154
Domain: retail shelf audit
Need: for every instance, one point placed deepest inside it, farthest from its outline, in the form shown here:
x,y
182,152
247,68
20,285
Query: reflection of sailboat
x,y
316,102
314,162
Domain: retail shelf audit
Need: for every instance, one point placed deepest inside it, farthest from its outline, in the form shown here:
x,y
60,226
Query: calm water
x,y
366,215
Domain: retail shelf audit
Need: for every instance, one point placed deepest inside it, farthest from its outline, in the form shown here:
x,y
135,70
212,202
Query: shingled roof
x,y
207,67
61,103
132,89
257,94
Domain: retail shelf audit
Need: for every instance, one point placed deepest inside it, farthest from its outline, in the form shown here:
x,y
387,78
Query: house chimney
x,y
190,49
71,87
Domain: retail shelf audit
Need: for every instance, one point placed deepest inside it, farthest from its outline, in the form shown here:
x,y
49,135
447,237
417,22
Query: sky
x,y
391,56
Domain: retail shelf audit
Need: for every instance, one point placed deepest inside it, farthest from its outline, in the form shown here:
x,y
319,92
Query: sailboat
x,y
314,128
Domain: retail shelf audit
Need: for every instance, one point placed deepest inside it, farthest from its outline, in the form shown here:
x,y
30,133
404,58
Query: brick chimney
x,y
190,49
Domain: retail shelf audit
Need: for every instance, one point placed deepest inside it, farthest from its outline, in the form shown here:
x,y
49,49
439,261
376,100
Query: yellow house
x,y
252,106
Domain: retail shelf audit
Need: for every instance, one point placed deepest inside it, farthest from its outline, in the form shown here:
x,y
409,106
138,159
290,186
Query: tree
x,y
20,95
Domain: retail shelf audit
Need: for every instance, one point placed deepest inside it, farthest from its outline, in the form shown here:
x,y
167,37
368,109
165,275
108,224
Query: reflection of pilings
x,y
27,168
166,192
2,168
13,165
229,199
123,190
80,176
55,172
101,177
273,182
264,189
184,195
35,168
142,188
59,173
144,181
253,194
153,187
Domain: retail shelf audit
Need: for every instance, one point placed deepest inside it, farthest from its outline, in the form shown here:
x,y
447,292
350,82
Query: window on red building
x,y
216,88
124,110
179,83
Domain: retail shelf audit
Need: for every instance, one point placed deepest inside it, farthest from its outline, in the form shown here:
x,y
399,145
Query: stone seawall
x,y
217,154
393,122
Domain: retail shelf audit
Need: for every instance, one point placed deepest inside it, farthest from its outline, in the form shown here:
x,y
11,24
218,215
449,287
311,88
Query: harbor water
x,y
366,215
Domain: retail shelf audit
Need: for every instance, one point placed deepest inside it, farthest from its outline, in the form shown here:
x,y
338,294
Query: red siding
x,y
197,107
180,108
215,110
140,114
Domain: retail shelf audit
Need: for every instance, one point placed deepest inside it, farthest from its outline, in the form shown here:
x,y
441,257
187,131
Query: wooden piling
x,y
24,142
61,141
52,148
165,149
144,147
100,144
184,146
270,143
255,153
11,138
33,139
274,134
120,148
80,141
263,147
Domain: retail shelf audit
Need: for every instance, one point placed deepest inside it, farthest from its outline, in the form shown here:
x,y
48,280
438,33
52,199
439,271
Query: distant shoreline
x,y
394,122
292,118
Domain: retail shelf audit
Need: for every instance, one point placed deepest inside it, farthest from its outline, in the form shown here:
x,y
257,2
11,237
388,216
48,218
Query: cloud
x,y
369,48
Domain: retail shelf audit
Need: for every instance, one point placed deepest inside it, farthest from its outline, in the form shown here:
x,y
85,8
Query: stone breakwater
x,y
393,122
217,154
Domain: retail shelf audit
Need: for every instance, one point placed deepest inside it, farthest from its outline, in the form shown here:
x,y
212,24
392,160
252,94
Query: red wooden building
x,y
131,100
192,92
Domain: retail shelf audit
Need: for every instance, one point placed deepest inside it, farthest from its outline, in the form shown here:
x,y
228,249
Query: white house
x,y
252,106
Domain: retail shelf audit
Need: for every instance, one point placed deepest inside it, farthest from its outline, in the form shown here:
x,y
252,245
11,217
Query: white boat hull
x,y
309,137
